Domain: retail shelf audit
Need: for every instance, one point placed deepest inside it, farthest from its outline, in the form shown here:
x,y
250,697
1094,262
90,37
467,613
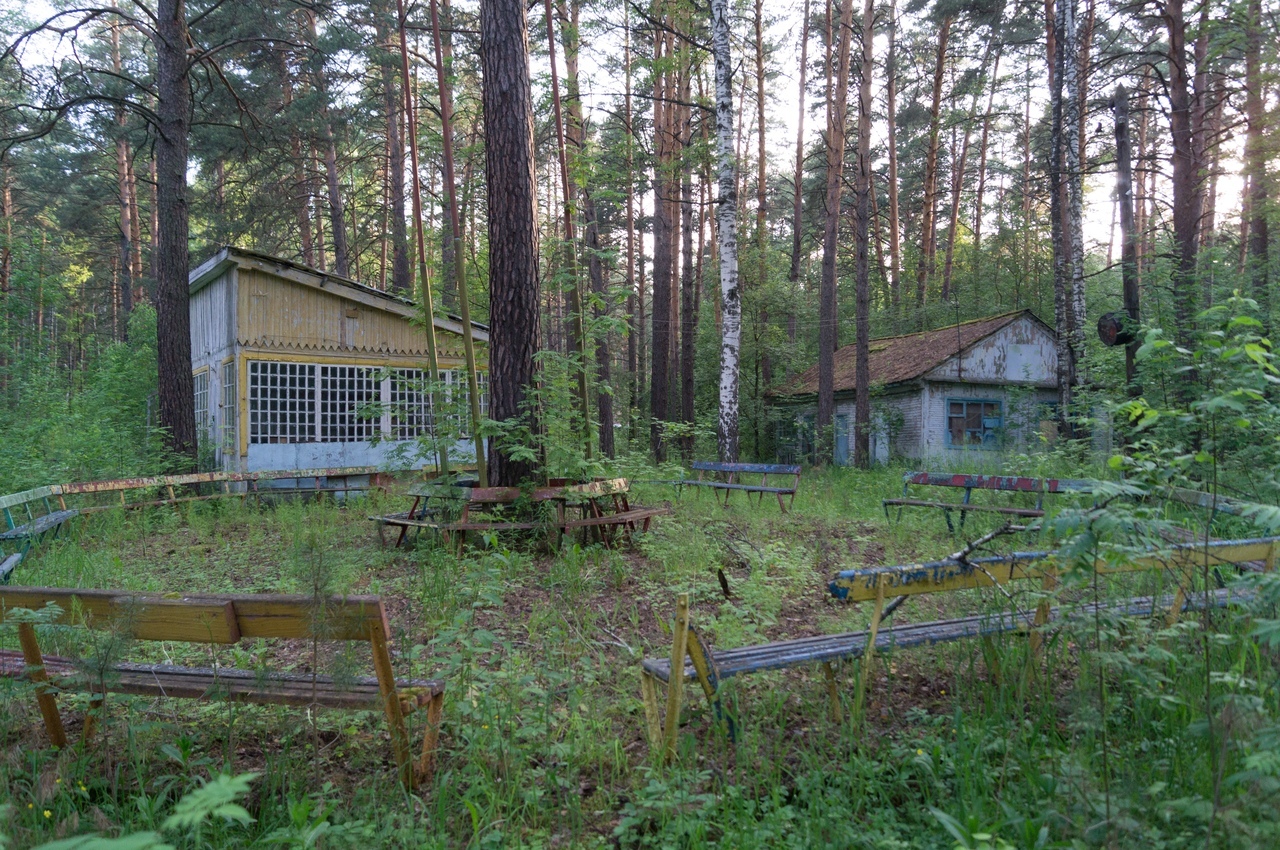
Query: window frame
x,y
399,391
996,434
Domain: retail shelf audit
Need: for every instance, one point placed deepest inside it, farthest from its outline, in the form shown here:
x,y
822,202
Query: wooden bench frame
x,y
42,522
40,525
456,520
994,483
731,471
877,584
225,619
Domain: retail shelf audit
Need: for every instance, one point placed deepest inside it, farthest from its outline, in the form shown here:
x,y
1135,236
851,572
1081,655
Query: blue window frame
x,y
974,423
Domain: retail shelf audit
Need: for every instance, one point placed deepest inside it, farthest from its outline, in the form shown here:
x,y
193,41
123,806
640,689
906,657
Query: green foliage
x,y
61,426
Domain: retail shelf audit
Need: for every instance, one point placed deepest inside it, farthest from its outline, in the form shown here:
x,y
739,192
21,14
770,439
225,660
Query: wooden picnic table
x,y
599,507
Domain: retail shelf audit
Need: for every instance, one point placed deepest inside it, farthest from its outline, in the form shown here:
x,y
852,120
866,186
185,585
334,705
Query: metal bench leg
x,y
869,648
48,702
430,741
675,684
945,512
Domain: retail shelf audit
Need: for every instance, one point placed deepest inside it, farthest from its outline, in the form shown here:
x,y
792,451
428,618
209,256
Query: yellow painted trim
x,y
349,359
242,407
195,372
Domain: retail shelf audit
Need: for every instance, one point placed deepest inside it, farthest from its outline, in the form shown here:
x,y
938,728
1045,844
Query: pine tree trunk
x,y
660,306
895,229
727,215
173,319
1129,235
828,318
762,234
862,228
928,222
401,277
1256,166
1187,199
1059,236
513,260
798,182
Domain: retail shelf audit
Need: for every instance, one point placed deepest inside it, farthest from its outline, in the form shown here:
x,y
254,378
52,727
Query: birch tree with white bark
x,y
727,233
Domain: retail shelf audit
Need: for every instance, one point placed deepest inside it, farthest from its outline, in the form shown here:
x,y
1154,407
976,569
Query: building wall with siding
x,y
276,313
1021,353
252,314
1020,409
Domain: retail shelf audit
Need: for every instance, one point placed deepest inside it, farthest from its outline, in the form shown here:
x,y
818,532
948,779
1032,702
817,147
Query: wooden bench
x,y
992,483
224,619
876,584
29,517
724,479
453,510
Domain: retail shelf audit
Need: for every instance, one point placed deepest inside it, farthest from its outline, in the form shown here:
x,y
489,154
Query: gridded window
x,y
464,400
282,405
976,423
201,381
346,393
229,400
410,404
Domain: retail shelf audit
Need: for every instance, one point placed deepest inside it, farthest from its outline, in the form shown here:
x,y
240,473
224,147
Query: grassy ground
x,y
543,741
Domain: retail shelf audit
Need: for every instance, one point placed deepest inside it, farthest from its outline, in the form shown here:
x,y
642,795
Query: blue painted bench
x,y
699,663
990,483
724,478
29,517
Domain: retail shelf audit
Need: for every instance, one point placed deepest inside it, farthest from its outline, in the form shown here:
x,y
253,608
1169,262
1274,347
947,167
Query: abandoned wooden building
x,y
983,385
296,368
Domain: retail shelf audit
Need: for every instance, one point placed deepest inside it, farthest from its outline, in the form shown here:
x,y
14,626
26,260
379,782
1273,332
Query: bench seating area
x,y
29,518
225,619
875,584
456,510
33,516
725,478
1039,487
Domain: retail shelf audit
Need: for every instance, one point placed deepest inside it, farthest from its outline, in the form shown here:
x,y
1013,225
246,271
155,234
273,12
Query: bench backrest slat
x,y
1003,483
593,489
946,575
25,498
221,618
757,468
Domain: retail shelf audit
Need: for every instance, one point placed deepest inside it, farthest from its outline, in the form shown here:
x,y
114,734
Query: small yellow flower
x,y
58,781
31,805
919,752
82,787
484,726
48,813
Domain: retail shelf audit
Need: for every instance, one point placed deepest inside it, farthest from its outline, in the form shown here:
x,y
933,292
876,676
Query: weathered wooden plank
x,y
1002,509
248,686
204,619
8,565
39,525
809,650
620,518
757,468
16,500
947,575
754,488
